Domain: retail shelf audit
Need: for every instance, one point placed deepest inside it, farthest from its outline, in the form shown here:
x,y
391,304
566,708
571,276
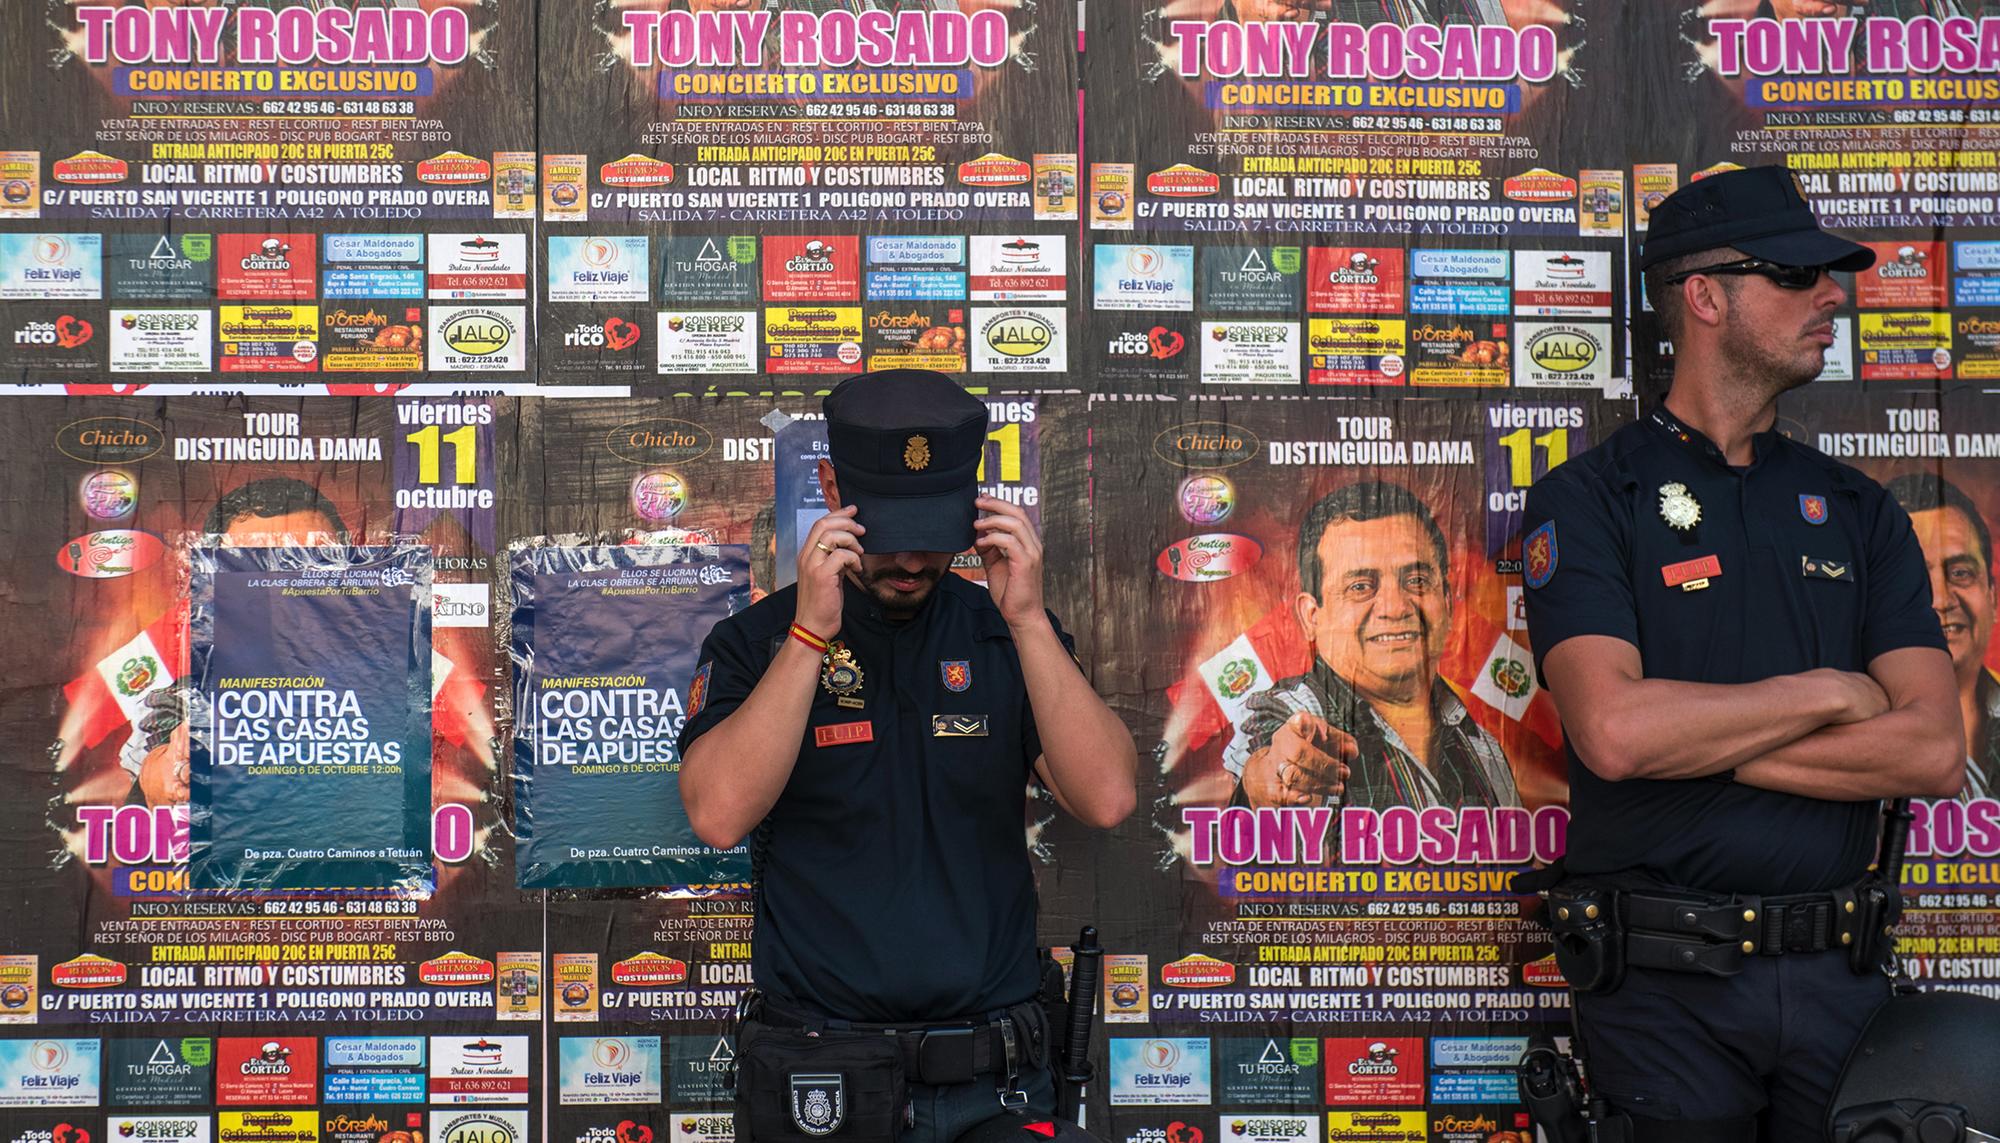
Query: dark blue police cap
x,y
906,445
1759,211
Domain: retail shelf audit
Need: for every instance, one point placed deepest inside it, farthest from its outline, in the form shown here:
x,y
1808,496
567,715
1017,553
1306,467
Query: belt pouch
x,y
1590,944
795,1087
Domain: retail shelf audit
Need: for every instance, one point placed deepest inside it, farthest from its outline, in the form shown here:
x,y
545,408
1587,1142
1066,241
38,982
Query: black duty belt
x,y
1706,933
1600,930
936,1054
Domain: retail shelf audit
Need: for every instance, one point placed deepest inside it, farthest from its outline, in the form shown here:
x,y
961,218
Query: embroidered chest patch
x,y
956,674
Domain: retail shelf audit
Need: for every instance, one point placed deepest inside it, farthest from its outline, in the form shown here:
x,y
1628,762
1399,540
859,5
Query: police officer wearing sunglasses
x,y
875,729
1738,634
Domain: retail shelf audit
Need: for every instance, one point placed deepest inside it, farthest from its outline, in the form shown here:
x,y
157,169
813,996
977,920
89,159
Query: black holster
x,y
1879,904
1054,1001
1551,1088
1589,939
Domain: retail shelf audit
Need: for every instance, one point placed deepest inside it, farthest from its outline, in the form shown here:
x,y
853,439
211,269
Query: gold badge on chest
x,y
1678,507
841,676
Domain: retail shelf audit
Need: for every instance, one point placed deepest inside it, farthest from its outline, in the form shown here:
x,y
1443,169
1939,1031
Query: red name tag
x,y
844,733
1691,570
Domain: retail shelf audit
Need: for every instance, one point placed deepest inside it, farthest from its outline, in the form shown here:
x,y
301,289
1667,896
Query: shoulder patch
x,y
698,689
956,674
1538,555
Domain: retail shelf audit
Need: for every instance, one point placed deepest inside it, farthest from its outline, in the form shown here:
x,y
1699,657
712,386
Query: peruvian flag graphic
x,y
112,695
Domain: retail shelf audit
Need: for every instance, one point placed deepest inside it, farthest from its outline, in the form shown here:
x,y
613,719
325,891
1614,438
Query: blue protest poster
x,y
310,762
604,646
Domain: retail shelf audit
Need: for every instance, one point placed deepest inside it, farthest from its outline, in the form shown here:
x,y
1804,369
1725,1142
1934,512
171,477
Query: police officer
x,y
1738,634
877,726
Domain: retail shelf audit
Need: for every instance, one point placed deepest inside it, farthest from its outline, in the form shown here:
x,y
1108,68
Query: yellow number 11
x,y
1521,453
464,453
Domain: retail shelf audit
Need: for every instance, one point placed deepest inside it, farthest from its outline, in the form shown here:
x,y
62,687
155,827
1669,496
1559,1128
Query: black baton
x,y
1085,972
1880,895
1895,842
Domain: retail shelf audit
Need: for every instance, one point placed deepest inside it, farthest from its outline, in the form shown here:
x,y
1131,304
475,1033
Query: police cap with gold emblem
x,y
905,445
1758,210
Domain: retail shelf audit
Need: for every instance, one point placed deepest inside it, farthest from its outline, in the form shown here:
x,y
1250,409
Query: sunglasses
x,y
1784,277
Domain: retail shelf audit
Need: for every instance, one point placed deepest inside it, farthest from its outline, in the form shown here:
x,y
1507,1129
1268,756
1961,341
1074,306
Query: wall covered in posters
x,y
397,390
1934,451
1885,113
827,188
1317,571
265,723
272,188
1354,195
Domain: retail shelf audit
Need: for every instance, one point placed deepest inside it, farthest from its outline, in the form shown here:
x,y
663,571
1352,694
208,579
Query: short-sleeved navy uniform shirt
x,y
894,882
1814,566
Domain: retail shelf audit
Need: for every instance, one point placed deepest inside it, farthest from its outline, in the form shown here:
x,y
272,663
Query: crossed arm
x,y
1839,735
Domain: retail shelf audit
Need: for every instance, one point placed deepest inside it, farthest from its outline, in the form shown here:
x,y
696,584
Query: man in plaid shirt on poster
x,y
1372,723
